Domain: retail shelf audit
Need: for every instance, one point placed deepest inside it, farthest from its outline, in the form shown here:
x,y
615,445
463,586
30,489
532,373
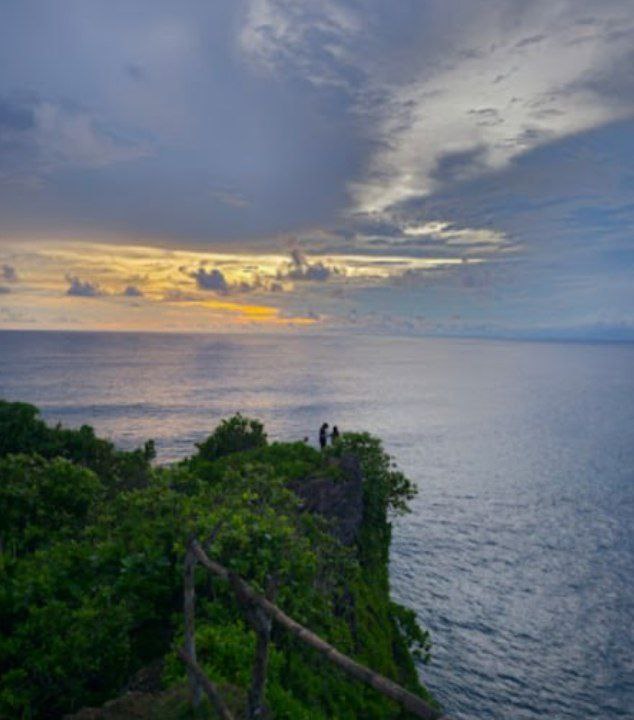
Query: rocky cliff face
x,y
338,499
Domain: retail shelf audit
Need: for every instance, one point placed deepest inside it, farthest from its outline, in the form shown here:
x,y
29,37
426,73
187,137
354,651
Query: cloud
x,y
451,235
499,289
132,291
458,165
39,136
464,118
466,276
213,280
300,268
533,40
79,288
230,198
176,295
317,271
383,135
436,105
8,273
305,37
248,277
298,257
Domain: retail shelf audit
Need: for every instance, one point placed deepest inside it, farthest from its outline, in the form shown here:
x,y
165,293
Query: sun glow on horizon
x,y
96,285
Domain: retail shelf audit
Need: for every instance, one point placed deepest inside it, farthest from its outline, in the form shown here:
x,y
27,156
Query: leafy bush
x,y
236,434
63,655
22,431
392,490
42,501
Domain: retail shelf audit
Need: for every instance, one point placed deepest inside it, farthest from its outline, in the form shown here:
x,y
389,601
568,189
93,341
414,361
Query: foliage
x,y
22,431
91,573
236,434
392,490
42,501
417,639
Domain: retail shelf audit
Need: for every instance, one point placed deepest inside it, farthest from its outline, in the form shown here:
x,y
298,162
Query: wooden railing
x,y
260,611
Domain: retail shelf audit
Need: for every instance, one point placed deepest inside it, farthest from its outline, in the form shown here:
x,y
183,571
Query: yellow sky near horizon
x,y
92,285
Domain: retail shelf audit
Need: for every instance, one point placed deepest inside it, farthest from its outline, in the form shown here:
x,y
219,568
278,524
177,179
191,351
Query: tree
x,y
236,434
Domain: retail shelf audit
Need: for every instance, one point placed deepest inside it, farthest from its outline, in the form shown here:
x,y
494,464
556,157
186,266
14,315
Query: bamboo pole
x,y
385,686
210,688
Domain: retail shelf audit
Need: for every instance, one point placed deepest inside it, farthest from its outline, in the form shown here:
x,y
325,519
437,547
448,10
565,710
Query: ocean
x,y
519,553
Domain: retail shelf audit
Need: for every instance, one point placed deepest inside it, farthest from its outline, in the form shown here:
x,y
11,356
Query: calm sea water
x,y
519,553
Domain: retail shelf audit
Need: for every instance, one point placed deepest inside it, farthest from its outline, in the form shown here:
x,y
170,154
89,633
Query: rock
x,y
338,499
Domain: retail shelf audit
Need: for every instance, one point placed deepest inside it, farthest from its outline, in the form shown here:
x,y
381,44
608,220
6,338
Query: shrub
x,y
42,500
236,434
22,431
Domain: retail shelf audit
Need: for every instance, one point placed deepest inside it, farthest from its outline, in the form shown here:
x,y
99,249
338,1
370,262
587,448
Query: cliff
x,y
338,499
92,572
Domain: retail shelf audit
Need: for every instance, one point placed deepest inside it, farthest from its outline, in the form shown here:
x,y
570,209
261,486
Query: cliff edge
x,y
93,543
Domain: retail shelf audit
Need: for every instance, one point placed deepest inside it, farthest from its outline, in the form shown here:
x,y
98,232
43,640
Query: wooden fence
x,y
260,611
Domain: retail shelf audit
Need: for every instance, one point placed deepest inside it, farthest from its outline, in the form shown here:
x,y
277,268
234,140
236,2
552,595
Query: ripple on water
x,y
518,555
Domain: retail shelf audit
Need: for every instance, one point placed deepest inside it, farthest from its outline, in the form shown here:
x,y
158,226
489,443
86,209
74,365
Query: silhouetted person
x,y
323,435
335,435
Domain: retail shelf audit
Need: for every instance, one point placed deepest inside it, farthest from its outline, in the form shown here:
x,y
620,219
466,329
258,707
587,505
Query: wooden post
x,y
208,686
412,703
189,610
256,708
260,621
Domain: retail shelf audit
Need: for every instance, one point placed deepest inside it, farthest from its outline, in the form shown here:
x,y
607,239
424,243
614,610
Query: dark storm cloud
x,y
80,288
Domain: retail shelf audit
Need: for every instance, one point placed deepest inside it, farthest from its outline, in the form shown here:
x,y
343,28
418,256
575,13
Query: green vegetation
x,y
233,435
92,547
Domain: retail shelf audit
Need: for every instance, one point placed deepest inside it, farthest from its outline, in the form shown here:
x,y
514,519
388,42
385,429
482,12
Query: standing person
x,y
335,435
323,435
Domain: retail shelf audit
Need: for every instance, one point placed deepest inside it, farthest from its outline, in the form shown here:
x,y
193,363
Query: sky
x,y
427,167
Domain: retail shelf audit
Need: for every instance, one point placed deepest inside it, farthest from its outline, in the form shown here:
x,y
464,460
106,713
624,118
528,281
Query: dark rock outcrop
x,y
338,498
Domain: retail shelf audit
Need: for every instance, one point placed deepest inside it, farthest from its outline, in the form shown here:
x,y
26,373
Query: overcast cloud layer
x,y
450,166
